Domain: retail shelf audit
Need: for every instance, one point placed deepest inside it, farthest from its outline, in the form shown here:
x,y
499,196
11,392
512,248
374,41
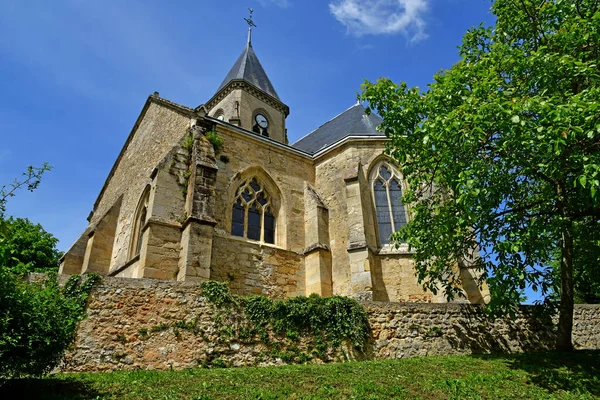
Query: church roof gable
x,y
353,121
248,68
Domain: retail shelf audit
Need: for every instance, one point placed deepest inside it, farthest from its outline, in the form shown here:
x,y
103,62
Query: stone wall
x,y
159,128
359,266
254,268
151,324
285,173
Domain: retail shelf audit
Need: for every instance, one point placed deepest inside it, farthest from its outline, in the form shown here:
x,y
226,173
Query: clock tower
x,y
247,98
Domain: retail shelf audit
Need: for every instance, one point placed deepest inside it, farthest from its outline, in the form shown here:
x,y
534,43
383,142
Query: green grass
x,y
524,376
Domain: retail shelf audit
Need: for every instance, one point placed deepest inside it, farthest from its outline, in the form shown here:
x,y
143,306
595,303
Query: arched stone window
x,y
219,114
252,214
386,184
140,218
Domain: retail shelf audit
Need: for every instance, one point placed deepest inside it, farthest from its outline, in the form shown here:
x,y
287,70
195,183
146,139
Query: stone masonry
x,y
132,324
166,208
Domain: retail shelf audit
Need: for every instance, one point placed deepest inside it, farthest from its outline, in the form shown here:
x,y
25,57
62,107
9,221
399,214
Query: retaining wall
x,y
130,325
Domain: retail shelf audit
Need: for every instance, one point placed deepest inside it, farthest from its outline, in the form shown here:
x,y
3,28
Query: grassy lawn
x,y
524,376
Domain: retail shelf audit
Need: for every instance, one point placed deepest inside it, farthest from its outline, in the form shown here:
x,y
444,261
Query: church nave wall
x,y
246,156
252,268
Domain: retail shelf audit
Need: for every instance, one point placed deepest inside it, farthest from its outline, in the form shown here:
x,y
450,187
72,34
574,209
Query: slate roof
x,y
248,68
353,121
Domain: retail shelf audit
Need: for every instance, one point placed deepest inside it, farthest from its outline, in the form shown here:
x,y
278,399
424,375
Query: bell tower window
x,y
261,124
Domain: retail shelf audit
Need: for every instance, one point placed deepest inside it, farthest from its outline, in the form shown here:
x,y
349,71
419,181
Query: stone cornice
x,y
315,247
201,219
253,90
123,267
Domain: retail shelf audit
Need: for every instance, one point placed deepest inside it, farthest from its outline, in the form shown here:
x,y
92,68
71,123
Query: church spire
x,y
250,25
248,68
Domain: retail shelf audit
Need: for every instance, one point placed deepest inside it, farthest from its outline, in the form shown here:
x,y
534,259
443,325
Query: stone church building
x,y
217,192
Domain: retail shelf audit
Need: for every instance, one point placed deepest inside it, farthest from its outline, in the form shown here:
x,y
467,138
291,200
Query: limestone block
x,y
160,251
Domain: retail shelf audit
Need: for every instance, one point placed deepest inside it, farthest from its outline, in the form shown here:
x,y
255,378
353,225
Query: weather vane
x,y
250,25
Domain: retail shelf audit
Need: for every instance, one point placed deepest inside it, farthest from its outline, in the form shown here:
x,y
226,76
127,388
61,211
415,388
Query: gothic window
x,y
387,191
138,224
252,214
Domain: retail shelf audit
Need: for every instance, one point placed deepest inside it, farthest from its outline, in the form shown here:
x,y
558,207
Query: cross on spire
x,y
250,25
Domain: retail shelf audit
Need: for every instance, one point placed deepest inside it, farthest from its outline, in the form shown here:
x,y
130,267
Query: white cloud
x,y
379,17
278,3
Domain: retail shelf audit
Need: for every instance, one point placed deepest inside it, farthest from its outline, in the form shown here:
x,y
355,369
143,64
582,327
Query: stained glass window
x,y
387,193
252,214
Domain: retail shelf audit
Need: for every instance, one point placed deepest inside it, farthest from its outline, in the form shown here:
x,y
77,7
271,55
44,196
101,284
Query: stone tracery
x,y
387,192
252,213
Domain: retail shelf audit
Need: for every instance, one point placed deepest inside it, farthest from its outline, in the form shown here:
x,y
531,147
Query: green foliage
x,y
216,140
38,321
218,293
258,309
28,247
188,144
501,153
434,331
586,274
160,327
31,181
540,376
334,318
121,338
23,244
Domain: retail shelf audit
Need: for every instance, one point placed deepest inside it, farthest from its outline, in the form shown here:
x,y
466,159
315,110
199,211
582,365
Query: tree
x,y
24,245
38,320
31,181
29,246
586,263
502,151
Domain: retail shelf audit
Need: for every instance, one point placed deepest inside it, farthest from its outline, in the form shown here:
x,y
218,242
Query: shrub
x,y
215,140
38,321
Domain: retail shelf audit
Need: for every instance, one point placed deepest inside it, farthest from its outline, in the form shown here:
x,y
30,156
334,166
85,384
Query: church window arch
x,y
253,215
386,187
219,114
140,218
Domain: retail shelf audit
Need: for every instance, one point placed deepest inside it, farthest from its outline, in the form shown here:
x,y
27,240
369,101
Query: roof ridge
x,y
245,60
325,123
248,68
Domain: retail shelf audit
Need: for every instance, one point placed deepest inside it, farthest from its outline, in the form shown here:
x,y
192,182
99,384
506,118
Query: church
x,y
217,192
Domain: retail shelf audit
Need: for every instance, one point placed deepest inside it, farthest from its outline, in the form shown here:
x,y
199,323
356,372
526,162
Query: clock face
x,y
262,121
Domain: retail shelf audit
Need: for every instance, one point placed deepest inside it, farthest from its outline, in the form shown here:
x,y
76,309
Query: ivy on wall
x,y
321,322
295,330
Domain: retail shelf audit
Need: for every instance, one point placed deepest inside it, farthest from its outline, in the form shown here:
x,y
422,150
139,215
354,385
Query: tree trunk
x,y
565,321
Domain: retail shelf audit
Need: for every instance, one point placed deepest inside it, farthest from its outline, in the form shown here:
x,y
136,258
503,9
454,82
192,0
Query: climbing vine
x,y
331,320
294,330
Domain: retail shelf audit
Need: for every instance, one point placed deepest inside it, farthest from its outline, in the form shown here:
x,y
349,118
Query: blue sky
x,y
74,75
